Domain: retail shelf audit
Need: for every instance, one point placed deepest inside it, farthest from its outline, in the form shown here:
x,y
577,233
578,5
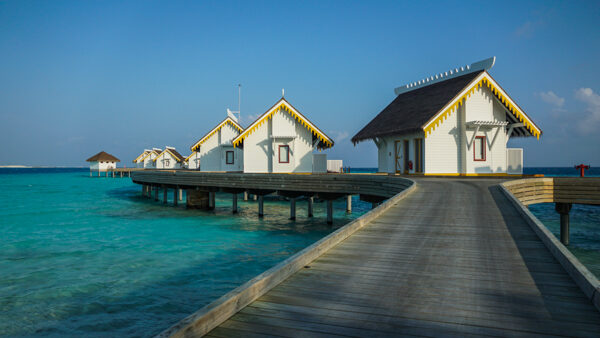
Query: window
x,y
479,149
284,154
229,157
167,163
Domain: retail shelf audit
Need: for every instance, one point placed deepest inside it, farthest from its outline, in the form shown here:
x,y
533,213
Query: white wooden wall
x,y
444,153
161,162
212,151
482,106
148,161
102,165
261,147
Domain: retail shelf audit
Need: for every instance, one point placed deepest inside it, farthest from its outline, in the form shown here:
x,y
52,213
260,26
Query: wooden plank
x,y
455,258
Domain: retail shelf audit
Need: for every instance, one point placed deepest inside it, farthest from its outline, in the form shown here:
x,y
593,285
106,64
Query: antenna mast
x,y
236,115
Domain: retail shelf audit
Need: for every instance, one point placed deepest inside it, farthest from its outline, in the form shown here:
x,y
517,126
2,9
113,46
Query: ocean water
x,y
83,256
584,238
86,257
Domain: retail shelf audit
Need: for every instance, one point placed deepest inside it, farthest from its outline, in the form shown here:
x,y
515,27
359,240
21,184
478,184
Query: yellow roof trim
x,y
166,150
187,158
228,120
149,153
142,154
478,82
283,105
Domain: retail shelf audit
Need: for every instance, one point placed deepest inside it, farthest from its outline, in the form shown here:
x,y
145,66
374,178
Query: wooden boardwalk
x,y
454,258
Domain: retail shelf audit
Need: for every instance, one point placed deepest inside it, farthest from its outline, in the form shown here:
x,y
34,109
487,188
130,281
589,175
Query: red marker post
x,y
582,168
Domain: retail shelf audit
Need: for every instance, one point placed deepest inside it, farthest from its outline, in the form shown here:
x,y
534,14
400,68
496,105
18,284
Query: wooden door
x,y
398,155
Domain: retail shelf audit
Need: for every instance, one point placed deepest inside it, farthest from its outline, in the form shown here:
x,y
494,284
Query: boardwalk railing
x,y
558,190
368,184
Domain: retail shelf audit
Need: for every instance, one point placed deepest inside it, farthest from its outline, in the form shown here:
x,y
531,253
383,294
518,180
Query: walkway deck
x,y
454,258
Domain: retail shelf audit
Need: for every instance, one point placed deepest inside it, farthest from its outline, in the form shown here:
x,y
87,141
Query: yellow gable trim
x,y
192,154
216,129
486,80
144,154
165,151
148,154
283,107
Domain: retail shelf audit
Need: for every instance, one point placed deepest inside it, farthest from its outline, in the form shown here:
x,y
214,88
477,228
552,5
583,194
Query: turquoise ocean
x,y
83,256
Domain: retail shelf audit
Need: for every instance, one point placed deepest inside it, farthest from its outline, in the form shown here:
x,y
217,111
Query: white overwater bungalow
x,y
215,151
192,161
454,123
102,161
147,161
169,159
138,162
282,140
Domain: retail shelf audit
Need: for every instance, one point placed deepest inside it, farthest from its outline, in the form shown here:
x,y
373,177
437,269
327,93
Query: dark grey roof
x,y
411,110
175,153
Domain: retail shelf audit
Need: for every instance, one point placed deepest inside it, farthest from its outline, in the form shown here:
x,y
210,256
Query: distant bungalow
x,y
455,123
102,161
281,140
192,161
139,162
147,161
168,159
215,149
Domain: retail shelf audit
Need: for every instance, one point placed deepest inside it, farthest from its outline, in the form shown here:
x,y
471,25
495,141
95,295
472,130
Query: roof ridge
x,y
452,73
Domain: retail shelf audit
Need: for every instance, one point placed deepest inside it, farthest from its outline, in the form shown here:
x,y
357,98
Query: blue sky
x,y
78,77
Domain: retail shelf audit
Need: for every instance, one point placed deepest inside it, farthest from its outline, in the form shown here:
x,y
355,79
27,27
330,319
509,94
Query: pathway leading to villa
x,y
454,258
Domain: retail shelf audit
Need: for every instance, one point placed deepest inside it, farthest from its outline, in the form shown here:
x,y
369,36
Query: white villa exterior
x,y
281,140
138,162
192,161
169,159
147,161
215,151
450,124
102,161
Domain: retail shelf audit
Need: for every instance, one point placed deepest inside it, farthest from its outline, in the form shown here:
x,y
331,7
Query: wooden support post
x,y
234,202
196,199
175,197
165,191
144,190
349,204
181,194
98,172
563,209
245,195
211,199
113,174
156,193
329,211
90,173
121,174
310,206
129,173
293,208
254,197
260,205
106,173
